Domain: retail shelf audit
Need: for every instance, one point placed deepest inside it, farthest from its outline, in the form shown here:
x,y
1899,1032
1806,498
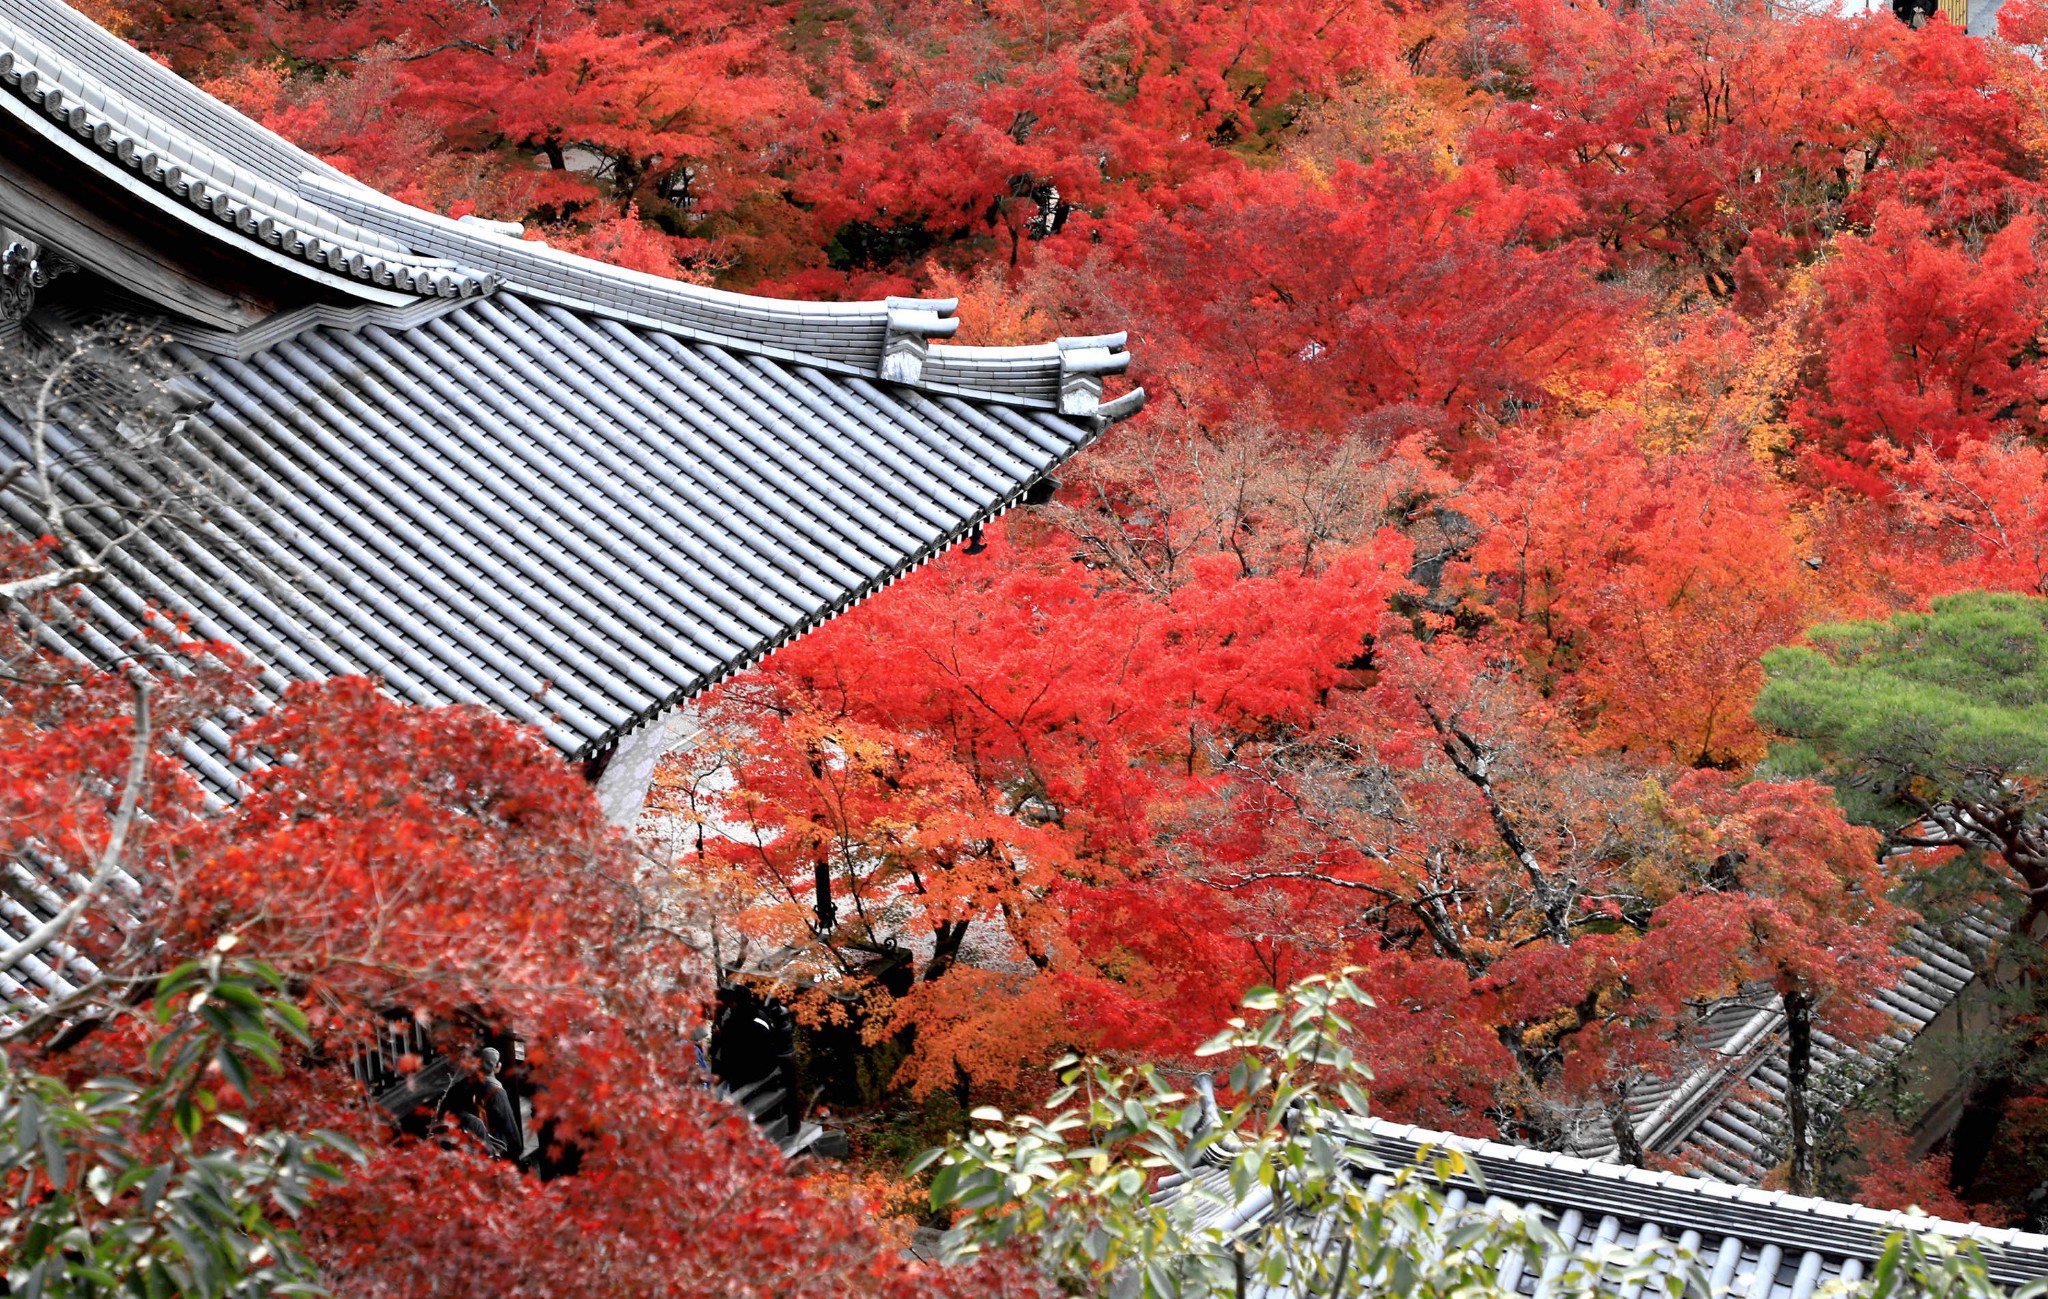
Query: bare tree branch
x,y
117,840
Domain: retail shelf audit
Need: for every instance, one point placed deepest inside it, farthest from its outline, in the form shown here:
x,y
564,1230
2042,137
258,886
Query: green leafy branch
x,y
208,1211
1132,1187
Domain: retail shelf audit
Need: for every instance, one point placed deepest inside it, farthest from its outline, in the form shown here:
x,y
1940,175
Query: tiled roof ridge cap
x,y
141,79
138,141
144,120
893,338
1882,1220
287,325
1707,1086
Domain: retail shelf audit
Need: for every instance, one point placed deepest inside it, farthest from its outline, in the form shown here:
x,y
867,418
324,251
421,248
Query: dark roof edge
x,y
1127,405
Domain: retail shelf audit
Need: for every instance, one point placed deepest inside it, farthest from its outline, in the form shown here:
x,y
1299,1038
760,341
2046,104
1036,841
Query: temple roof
x,y
545,510
474,466
1724,1116
435,452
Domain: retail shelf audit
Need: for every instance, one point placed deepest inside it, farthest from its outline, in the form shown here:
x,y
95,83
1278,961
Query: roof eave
x,y
1129,405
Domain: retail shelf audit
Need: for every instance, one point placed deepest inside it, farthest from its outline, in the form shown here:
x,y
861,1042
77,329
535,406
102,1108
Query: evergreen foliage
x,y
1931,726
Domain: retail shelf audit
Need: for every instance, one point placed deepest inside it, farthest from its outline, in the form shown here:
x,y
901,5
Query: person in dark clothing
x,y
474,1127
753,1043
501,1116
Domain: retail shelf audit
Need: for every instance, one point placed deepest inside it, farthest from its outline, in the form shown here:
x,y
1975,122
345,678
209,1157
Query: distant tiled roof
x,y
1726,1117
1755,1244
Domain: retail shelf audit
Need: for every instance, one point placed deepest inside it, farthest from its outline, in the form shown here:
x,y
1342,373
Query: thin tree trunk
x,y
1798,1073
828,914
946,941
1627,1146
963,1097
1474,762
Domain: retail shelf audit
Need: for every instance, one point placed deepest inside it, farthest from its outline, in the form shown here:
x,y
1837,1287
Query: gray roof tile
x,y
1763,1243
457,509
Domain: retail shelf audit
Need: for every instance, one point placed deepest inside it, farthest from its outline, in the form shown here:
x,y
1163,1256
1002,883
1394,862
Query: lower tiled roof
x,y
1725,1118
1752,1243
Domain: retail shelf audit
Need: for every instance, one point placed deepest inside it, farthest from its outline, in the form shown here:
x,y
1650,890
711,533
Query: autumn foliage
x,y
479,893
1521,372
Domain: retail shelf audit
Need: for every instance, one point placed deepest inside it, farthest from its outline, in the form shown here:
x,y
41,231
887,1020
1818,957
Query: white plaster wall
x,y
622,789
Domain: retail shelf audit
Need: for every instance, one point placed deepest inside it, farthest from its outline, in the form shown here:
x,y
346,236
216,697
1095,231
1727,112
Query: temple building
x,y
1975,17
474,467
483,471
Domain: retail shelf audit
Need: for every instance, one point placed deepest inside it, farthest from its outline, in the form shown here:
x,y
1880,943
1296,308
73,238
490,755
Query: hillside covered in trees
x,y
1582,567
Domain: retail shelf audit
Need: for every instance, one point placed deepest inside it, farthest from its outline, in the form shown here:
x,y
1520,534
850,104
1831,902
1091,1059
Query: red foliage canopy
x,y
444,863
1522,370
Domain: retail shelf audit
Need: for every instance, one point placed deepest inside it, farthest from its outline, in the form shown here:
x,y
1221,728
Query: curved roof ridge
x,y
79,85
113,64
890,338
134,139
